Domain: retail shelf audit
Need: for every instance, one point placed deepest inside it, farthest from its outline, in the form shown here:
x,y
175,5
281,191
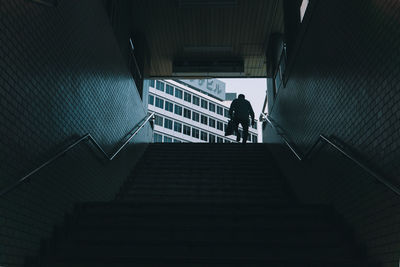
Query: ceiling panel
x,y
211,30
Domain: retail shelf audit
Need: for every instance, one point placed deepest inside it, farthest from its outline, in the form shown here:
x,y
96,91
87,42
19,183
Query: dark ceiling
x,y
207,38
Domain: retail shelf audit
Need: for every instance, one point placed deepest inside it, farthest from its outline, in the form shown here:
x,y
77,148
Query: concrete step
x,y
209,207
208,232
210,186
201,262
245,175
176,220
234,192
208,250
196,179
324,236
203,198
189,163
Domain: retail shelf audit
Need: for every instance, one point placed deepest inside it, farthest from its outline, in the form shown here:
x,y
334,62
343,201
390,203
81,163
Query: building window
x,y
220,110
211,107
160,86
227,141
196,101
159,103
220,126
204,103
187,97
255,125
169,106
226,113
225,125
151,99
177,127
168,124
203,136
254,138
167,139
158,120
186,130
204,119
186,113
195,116
151,83
211,138
219,139
157,138
169,89
195,133
178,110
211,122
178,93
177,141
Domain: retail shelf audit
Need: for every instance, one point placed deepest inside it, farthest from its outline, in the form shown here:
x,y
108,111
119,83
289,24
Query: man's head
x,y
241,96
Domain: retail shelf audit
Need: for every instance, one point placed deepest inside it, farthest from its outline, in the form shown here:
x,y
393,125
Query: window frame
x,y
197,115
201,119
195,133
202,133
157,135
170,104
179,108
187,97
160,100
205,106
180,127
197,100
157,122
151,97
170,122
176,93
211,121
188,111
160,83
185,127
220,110
210,104
167,91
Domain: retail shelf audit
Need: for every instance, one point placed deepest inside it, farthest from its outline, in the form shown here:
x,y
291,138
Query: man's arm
x,y
251,111
232,108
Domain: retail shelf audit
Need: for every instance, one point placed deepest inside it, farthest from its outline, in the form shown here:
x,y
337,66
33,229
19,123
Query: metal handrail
x,y
86,137
264,117
336,146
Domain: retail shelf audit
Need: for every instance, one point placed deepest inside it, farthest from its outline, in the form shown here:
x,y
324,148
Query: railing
x,y
338,147
87,137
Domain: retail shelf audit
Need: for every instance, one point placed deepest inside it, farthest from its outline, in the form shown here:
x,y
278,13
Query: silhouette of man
x,y
239,112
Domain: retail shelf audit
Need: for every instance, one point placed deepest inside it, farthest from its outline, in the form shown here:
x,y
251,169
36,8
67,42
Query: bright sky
x,y
254,91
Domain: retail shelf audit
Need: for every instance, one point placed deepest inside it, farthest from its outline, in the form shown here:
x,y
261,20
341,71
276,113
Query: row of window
x,y
169,89
191,131
158,138
187,113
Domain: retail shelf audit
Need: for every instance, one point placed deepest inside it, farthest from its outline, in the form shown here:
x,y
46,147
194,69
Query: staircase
x,y
202,205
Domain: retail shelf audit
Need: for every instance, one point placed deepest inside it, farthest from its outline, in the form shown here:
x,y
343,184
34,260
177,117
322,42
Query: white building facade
x,y
185,112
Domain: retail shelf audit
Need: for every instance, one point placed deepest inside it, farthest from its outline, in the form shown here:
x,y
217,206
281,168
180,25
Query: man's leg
x,y
245,125
236,124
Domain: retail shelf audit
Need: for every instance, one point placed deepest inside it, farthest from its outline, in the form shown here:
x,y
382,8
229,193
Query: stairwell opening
x,y
197,110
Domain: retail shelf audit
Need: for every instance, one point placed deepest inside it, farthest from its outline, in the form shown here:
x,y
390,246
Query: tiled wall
x,y
61,75
345,82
